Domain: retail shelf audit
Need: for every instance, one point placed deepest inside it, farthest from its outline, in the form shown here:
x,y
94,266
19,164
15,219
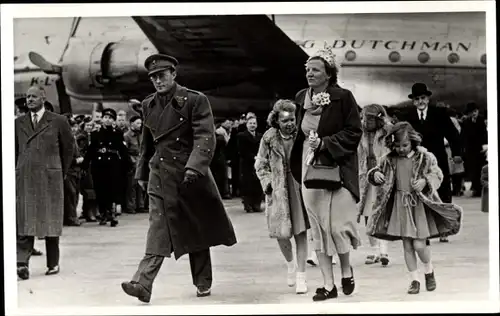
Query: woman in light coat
x,y
375,124
286,216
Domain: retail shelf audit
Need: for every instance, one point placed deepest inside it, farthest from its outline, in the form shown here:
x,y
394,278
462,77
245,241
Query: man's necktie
x,y
421,116
35,120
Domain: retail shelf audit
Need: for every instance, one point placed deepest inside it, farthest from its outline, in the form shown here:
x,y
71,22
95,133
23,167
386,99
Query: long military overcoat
x,y
43,157
178,136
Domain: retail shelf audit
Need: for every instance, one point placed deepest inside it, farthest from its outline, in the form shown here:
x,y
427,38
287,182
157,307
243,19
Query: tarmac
x,y
96,259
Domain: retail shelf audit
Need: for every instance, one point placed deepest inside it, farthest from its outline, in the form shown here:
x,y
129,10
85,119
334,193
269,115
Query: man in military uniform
x,y
186,214
106,154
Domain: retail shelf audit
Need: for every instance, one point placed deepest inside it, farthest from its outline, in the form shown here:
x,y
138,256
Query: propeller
x,y
45,65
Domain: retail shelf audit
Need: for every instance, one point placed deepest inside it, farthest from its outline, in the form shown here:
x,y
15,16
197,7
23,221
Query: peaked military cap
x,y
109,112
159,62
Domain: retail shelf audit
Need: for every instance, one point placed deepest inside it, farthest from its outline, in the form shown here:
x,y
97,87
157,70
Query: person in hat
x,y
475,140
72,181
89,206
106,155
21,107
135,195
329,128
434,124
43,153
186,213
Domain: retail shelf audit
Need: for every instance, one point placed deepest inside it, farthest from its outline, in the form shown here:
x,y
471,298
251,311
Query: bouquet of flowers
x,y
321,99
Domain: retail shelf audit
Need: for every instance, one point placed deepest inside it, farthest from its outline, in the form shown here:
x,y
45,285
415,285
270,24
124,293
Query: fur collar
x,y
273,139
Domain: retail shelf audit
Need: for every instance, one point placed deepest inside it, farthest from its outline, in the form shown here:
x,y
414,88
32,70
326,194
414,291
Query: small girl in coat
x,y
407,206
286,216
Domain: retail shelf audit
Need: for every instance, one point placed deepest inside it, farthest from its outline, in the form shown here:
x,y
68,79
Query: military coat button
x,y
161,159
181,119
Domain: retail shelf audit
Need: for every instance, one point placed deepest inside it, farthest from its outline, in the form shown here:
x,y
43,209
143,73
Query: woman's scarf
x,y
309,106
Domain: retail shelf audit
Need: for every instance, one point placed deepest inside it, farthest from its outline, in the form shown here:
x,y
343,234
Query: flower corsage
x,y
321,99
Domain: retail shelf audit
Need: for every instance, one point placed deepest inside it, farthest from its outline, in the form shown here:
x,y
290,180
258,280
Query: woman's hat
x,y
327,54
419,89
48,106
109,112
471,106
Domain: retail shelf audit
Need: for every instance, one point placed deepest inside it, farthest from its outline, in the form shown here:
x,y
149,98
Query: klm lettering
x,y
388,45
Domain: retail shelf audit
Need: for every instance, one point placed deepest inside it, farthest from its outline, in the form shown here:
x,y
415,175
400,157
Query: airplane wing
x,y
232,56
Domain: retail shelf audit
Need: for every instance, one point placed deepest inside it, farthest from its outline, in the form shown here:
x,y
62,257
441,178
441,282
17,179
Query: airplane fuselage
x,y
381,56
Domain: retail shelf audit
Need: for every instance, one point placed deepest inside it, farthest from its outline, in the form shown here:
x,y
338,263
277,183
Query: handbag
x,y
319,176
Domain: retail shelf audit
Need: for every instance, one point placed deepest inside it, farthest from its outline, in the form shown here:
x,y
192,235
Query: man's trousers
x,y
201,270
25,246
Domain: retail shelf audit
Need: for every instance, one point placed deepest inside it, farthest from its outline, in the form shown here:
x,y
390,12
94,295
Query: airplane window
x,y
423,57
350,55
394,57
453,58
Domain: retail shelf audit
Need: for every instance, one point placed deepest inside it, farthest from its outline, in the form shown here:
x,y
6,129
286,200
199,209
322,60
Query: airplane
x,y
246,62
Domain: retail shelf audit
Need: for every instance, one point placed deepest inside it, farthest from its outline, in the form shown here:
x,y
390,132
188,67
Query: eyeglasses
x,y
160,75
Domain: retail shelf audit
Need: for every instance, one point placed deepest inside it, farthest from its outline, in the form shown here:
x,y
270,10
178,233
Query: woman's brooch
x,y
321,99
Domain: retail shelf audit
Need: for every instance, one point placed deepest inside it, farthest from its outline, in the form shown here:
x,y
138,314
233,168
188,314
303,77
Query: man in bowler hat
x,y
186,214
434,124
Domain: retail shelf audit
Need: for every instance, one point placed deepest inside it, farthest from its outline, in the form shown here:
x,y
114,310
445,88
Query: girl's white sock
x,y
328,287
428,267
291,266
414,275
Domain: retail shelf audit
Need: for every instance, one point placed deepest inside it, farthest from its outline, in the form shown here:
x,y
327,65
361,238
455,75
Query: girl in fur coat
x,y
375,123
285,213
407,205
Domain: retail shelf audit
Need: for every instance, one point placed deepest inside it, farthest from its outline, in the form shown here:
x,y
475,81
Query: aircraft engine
x,y
100,71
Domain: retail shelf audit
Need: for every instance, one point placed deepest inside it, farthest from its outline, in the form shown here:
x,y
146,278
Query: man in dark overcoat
x,y
248,147
475,140
434,124
186,214
44,150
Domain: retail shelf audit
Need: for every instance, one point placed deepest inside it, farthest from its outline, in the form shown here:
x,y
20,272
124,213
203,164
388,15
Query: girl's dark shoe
x,y
384,259
323,294
348,284
414,287
430,281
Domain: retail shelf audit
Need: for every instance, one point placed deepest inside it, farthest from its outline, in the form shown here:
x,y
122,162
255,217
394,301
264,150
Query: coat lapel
x,y
42,125
163,121
25,125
